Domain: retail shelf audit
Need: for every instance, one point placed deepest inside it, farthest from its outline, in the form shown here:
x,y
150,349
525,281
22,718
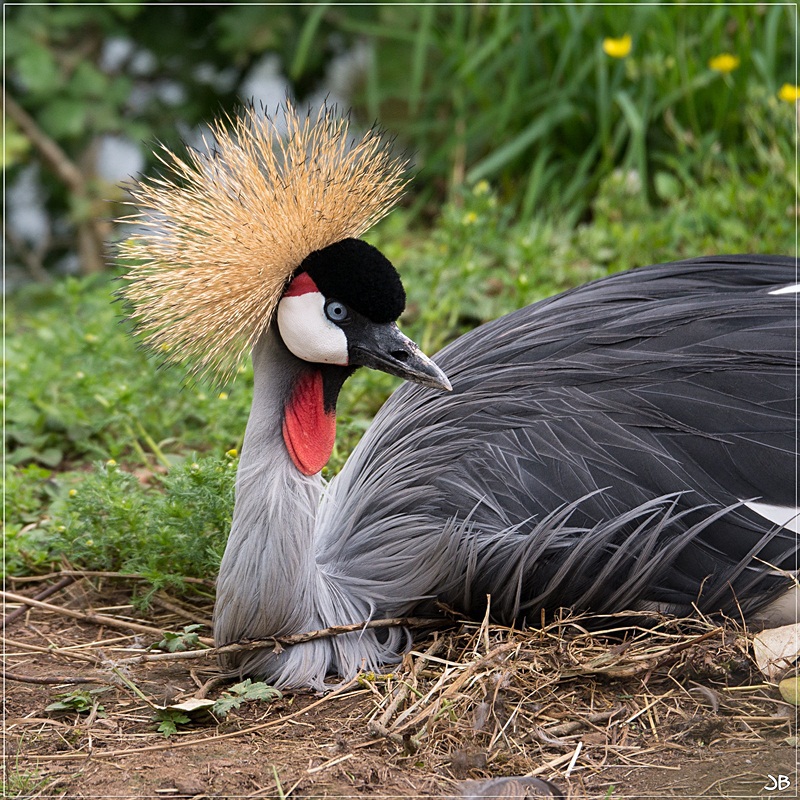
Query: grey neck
x,y
270,583
268,577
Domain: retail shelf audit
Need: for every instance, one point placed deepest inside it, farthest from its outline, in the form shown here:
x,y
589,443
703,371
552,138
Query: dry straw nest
x,y
494,699
575,697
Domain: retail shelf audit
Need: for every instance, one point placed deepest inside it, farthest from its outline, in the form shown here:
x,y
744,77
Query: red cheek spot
x,y
302,284
308,431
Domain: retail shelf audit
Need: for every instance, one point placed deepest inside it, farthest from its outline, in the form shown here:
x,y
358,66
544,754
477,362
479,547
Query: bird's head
x,y
341,308
259,231
263,224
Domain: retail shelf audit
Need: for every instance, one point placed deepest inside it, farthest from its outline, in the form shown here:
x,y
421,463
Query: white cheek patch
x,y
308,333
794,289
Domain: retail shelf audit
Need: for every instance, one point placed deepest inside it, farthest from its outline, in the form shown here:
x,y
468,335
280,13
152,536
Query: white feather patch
x,y
785,516
308,333
793,289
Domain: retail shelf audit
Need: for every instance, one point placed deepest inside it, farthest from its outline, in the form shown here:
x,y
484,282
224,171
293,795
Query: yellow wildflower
x,y
470,218
73,492
111,463
618,48
232,453
223,395
724,62
789,93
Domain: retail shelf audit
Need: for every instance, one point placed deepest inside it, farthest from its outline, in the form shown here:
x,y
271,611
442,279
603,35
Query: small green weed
x,y
169,719
80,700
29,493
16,782
187,639
241,693
27,489
166,532
172,529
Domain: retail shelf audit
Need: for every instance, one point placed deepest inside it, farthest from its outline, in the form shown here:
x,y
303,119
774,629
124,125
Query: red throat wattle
x,y
308,430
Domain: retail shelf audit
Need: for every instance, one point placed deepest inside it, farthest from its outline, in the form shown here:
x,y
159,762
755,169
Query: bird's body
x,y
595,453
627,445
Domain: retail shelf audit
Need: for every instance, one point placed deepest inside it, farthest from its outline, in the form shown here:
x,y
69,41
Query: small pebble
x,y
510,789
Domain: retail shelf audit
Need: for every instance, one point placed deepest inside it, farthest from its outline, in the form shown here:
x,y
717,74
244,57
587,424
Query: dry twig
x,y
279,642
96,619
50,679
50,590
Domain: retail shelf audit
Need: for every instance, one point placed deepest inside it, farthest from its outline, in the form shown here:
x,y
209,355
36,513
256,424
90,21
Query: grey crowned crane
x,y
627,445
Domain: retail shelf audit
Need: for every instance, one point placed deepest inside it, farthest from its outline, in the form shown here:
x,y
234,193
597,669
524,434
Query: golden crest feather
x,y
220,234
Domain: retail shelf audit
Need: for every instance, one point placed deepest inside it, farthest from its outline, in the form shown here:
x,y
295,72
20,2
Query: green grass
x,y
526,97
15,782
83,390
82,395
523,95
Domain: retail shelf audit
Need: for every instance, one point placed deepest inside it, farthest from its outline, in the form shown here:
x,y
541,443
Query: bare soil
x,y
667,714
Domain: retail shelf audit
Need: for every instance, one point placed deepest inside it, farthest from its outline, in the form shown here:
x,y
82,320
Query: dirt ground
x,y
684,715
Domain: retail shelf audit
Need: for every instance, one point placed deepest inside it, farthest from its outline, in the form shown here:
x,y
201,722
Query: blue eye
x,y
336,311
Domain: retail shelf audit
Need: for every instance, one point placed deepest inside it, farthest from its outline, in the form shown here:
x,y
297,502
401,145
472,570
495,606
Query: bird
x,y
625,446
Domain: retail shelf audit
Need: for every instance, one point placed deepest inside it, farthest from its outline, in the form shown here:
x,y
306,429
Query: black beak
x,y
386,348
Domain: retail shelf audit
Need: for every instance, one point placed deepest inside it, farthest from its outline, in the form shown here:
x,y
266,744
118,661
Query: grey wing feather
x,y
594,453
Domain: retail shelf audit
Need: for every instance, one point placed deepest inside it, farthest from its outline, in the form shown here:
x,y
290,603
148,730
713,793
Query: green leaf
x,y
241,692
37,69
511,149
667,186
226,703
79,700
88,82
242,687
310,28
187,639
261,691
169,719
17,145
64,117
50,457
126,11
78,704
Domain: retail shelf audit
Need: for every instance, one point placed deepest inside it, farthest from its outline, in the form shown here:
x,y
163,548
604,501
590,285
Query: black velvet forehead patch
x,y
360,276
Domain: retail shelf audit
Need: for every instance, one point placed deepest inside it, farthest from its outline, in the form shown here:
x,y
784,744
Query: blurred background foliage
x,y
552,145
524,96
